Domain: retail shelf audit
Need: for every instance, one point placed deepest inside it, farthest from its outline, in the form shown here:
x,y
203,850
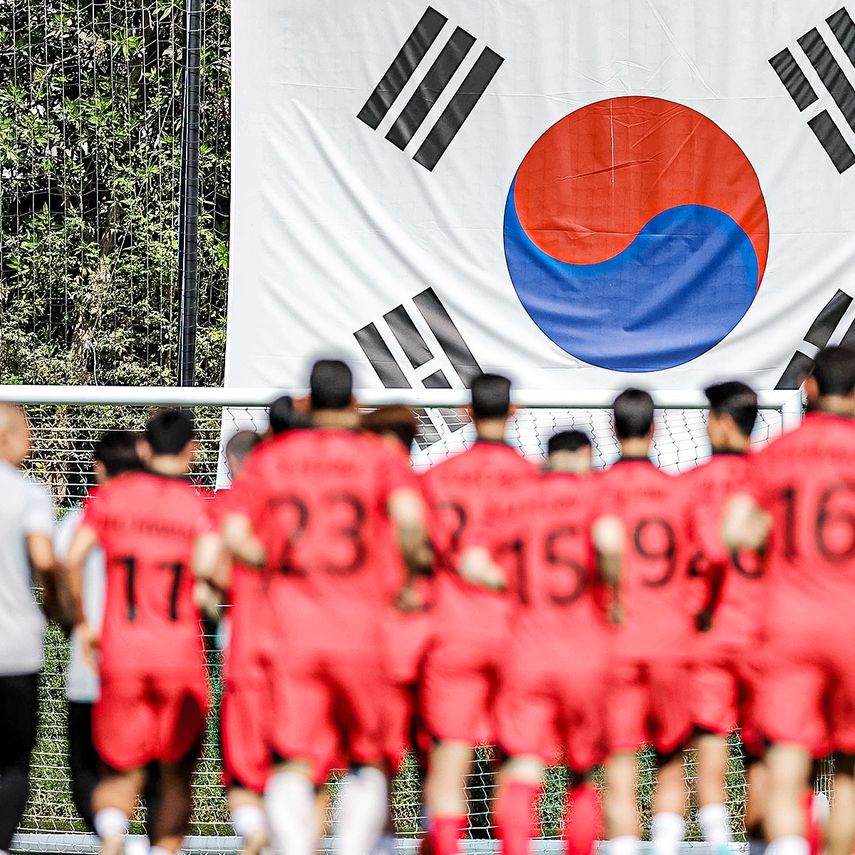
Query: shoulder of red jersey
x,y
500,453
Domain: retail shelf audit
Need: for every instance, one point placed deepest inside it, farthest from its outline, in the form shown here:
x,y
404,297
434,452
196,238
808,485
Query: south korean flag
x,y
580,195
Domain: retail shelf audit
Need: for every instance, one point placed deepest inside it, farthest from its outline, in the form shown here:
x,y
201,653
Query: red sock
x,y
517,818
583,821
813,830
445,832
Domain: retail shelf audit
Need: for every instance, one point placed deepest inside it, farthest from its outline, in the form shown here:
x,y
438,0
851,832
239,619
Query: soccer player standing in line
x,y
245,714
556,550
726,667
407,627
649,696
472,621
804,483
26,548
313,508
114,453
154,696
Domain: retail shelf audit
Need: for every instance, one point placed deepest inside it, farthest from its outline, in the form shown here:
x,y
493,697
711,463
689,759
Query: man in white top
x,y
26,556
114,453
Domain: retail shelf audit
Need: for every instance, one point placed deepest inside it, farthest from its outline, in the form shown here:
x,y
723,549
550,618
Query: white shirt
x,y
81,679
25,509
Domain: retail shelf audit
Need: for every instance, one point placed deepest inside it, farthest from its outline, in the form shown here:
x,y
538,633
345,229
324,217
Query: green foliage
x,y
90,123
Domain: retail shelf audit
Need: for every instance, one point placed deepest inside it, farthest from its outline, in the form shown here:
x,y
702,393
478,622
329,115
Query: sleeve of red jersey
x,y
247,493
395,473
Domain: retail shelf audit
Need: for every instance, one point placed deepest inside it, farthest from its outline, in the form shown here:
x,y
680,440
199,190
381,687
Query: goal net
x,y
67,420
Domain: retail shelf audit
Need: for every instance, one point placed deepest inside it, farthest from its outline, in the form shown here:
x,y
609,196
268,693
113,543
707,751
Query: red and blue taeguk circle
x,y
636,234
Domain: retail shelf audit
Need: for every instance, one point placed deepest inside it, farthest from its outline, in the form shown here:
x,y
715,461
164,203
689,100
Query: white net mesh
x,y
63,436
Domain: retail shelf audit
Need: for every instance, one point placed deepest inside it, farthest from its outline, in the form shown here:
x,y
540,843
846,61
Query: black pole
x,y
188,198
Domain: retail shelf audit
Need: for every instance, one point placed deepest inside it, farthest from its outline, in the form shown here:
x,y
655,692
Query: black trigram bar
x,y
430,89
793,78
448,336
459,108
794,374
819,334
844,31
826,322
408,336
830,73
381,358
832,141
402,68
833,78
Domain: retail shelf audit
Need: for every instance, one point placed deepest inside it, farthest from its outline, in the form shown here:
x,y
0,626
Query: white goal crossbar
x,y
789,402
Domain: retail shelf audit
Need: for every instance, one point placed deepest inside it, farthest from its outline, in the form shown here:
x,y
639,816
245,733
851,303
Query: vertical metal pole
x,y
188,198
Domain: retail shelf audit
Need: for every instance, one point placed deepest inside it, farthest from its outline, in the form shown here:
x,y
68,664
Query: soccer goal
x,y
67,420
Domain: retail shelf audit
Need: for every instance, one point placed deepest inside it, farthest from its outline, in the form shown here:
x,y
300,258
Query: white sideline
x,y
72,843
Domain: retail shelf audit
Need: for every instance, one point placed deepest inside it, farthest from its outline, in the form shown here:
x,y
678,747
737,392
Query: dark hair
x,y
491,396
568,440
395,419
169,431
241,443
834,371
734,399
283,417
116,450
331,385
633,410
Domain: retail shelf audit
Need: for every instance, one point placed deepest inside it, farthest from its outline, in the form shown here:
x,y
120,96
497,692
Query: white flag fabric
x,y
580,195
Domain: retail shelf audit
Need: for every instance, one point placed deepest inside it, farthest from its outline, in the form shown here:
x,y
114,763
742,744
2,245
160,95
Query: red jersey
x,y
460,490
147,525
655,588
735,598
317,499
248,607
540,534
806,479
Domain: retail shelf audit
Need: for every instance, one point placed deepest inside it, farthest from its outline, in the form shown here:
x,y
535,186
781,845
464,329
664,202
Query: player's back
x,y
147,525
806,479
734,581
321,511
460,490
541,536
655,589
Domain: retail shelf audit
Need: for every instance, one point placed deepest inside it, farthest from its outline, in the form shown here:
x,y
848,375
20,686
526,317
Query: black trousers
x,y
19,718
83,763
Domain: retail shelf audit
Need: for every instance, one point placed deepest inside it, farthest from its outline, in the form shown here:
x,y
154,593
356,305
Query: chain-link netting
x,y
63,436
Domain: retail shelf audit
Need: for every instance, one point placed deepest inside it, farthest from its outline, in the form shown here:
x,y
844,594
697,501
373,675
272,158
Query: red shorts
x,y
245,723
328,709
723,697
459,689
648,703
806,695
406,638
555,709
398,725
141,719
